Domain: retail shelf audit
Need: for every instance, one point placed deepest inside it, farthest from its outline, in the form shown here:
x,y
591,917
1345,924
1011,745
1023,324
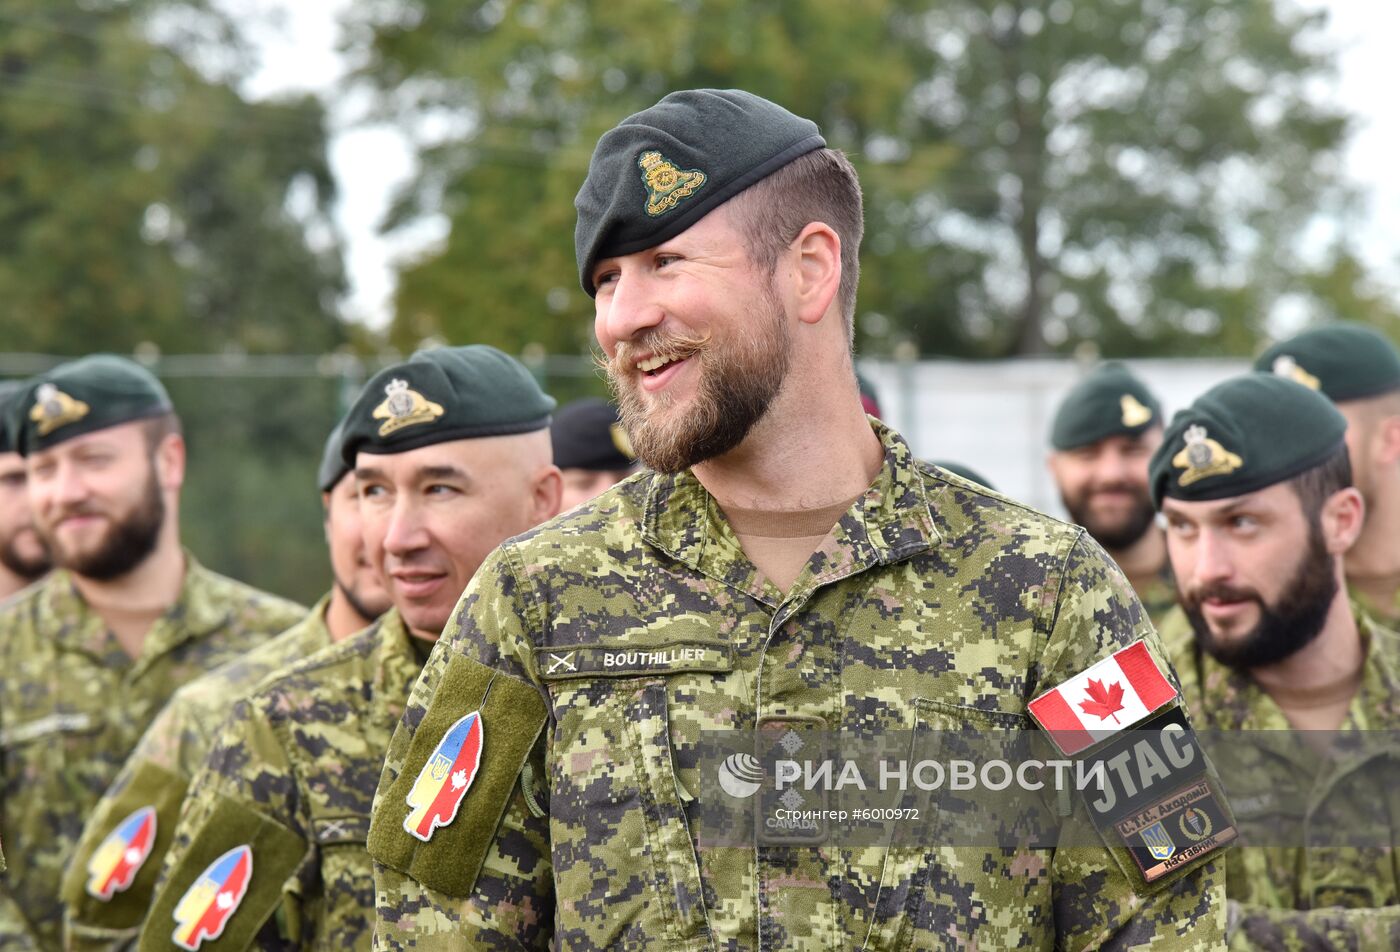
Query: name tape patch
x,y
591,661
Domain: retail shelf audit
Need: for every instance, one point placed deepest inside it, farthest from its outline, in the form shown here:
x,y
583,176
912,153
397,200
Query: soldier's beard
x,y
26,567
1119,535
737,384
129,539
1285,627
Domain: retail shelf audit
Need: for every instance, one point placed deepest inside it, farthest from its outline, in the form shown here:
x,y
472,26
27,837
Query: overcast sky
x,y
297,45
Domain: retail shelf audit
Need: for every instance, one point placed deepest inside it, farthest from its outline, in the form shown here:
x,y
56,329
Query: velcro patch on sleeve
x,y
1107,697
227,885
621,660
438,819
110,879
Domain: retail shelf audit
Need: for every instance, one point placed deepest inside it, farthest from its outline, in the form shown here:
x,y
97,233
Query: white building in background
x,y
995,416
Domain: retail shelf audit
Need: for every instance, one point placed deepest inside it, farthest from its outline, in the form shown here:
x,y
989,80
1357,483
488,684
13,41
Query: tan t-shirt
x,y
780,541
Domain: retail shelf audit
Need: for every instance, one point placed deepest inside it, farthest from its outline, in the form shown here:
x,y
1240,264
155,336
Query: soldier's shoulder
x,y
333,669
972,513
606,523
246,602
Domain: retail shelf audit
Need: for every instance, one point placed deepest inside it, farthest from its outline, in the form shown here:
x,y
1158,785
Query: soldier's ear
x,y
548,495
169,458
1343,515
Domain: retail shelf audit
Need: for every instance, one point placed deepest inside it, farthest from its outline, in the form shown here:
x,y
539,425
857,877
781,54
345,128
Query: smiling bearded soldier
x,y
786,560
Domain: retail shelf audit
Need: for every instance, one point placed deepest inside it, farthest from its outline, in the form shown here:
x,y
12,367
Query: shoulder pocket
x,y
437,820
226,886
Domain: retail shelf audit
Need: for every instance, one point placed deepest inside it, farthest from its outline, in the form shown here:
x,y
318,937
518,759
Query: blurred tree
x,y
1138,174
142,199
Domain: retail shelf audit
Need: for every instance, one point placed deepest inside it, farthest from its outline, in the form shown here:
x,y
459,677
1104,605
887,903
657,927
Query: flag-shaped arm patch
x,y
117,861
1105,698
219,892
437,819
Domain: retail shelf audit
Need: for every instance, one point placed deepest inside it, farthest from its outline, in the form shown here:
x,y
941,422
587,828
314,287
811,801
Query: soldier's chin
x,y
425,621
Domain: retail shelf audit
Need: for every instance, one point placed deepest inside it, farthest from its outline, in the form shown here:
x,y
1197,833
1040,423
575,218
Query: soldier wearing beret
x,y
89,655
1255,484
786,561
1103,434
1357,368
105,892
590,448
23,556
451,456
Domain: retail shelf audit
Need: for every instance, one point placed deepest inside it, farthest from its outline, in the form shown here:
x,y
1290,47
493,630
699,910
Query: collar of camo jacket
x,y
193,615
891,521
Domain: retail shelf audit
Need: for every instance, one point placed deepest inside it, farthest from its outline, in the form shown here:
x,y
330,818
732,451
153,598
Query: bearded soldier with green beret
x,y
1358,369
89,655
105,893
784,562
1255,484
1103,434
451,455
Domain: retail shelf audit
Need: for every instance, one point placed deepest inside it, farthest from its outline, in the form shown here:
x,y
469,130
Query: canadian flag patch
x,y
1101,700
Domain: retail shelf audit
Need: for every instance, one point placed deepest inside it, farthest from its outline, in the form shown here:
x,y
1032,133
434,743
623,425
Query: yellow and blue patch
x,y
116,862
207,906
445,778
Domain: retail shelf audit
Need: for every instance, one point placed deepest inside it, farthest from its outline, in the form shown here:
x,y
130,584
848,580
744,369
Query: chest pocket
x,y
923,899
338,912
615,797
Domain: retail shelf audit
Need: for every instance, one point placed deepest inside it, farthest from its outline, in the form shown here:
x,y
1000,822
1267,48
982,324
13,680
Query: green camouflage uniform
x,y
1158,596
158,773
73,704
933,602
292,775
1320,897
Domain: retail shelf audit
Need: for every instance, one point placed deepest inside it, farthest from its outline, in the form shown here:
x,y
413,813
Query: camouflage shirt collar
x,y
396,665
195,612
892,521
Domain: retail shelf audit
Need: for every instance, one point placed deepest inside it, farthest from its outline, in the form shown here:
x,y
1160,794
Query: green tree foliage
x,y
143,199
1135,173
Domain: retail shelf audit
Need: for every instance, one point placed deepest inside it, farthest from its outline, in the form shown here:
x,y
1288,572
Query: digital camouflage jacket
x,y
291,778
106,899
933,603
73,704
1325,896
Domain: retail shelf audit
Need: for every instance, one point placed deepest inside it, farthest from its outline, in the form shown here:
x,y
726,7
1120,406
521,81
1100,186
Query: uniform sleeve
x,y
483,879
245,797
1361,930
112,918
15,932
1101,898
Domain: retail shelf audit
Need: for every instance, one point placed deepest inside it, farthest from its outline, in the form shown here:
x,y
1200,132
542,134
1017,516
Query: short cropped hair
x,y
159,427
819,186
1317,485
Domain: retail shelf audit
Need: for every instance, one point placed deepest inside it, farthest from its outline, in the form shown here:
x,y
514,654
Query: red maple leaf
x,y
1103,702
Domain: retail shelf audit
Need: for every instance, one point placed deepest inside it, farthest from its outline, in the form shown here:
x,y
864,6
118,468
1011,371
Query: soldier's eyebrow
x,y
368,472
427,473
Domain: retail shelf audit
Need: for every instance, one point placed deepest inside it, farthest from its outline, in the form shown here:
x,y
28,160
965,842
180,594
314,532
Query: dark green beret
x,y
661,170
83,396
333,466
1346,361
1109,401
587,435
966,472
9,389
448,393
1242,435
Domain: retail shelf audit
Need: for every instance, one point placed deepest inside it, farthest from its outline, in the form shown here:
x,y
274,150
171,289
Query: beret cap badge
x,y
1203,457
1134,413
53,408
1286,366
403,407
667,186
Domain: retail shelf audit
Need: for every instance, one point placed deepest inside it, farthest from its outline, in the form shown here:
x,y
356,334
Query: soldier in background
x,y
720,238
591,449
23,556
1358,369
1102,437
90,654
452,456
1255,484
107,889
